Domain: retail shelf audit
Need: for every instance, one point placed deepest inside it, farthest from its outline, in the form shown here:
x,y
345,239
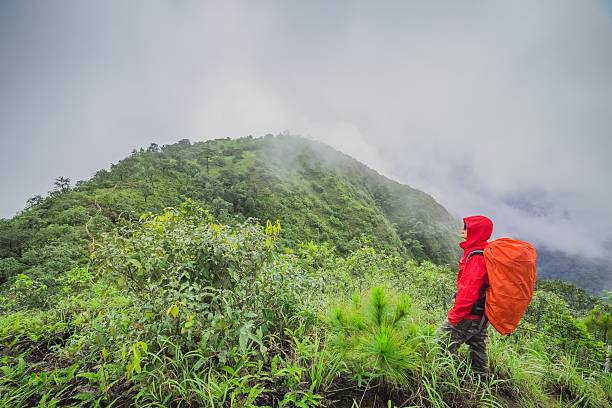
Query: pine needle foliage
x,y
374,332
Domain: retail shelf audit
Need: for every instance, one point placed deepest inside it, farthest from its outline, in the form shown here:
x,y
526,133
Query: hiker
x,y
466,322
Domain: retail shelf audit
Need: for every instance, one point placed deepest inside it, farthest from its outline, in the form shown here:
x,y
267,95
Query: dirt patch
x,y
345,395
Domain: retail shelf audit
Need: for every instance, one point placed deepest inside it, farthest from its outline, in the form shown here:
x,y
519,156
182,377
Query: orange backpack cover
x,y
511,269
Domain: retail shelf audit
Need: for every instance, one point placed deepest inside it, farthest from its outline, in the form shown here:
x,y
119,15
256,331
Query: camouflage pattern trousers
x,y
474,334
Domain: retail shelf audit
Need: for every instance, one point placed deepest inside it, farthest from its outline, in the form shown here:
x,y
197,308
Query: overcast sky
x,y
502,108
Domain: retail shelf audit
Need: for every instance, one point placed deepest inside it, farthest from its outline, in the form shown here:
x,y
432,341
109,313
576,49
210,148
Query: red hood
x,y
479,230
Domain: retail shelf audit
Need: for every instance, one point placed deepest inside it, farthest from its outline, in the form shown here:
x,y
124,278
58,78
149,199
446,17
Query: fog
x,y
496,108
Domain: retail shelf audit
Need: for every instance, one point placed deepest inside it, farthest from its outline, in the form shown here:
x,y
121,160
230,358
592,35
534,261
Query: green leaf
x,y
198,364
92,377
135,262
243,339
84,396
173,311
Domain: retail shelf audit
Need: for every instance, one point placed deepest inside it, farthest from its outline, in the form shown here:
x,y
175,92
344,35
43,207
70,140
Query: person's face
x,y
464,233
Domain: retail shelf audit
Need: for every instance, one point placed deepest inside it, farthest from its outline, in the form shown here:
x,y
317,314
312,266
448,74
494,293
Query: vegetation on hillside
x,y
177,309
318,193
155,285
594,275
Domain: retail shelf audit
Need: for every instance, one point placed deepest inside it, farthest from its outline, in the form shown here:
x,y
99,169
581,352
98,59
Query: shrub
x,y
193,278
28,292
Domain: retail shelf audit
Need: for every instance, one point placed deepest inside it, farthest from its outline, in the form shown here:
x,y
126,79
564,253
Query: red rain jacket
x,y
472,273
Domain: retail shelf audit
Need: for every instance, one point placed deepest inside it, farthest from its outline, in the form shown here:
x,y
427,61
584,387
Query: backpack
x,y
511,270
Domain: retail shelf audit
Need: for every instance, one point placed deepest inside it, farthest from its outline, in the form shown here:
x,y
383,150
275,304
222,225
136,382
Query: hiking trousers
x,y
474,334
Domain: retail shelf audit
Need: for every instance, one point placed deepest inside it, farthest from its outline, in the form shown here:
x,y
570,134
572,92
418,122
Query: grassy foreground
x,y
179,310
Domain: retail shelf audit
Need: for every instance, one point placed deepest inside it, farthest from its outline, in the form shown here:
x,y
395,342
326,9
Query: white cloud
x,y
485,105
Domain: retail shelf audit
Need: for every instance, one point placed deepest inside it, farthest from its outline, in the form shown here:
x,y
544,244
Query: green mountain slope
x,y
594,275
151,285
315,191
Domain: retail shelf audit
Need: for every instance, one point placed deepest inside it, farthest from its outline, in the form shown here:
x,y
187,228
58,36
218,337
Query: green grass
x,y
178,311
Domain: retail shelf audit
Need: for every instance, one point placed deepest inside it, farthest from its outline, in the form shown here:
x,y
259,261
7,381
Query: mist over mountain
x,y
592,274
227,270
315,191
232,256
474,104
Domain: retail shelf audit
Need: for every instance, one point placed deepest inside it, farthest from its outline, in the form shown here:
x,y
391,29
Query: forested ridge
x,y
269,271
317,193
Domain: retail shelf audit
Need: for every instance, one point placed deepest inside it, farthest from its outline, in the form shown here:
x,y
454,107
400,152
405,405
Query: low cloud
x,y
496,108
